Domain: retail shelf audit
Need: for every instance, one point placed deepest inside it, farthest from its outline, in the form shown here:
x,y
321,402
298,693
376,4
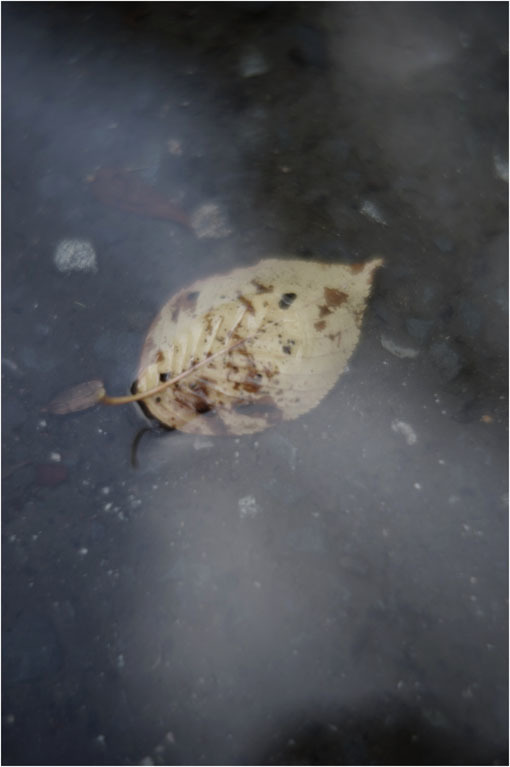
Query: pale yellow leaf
x,y
288,328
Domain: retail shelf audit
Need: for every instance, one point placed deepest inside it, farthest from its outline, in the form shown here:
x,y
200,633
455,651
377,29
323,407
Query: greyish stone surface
x,y
333,590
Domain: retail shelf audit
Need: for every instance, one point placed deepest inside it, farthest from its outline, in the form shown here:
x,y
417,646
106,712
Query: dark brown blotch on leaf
x,y
262,288
334,297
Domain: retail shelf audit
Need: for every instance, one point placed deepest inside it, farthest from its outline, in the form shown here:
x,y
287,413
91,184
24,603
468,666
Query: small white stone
x,y
209,222
83,551
248,507
417,486
75,256
56,457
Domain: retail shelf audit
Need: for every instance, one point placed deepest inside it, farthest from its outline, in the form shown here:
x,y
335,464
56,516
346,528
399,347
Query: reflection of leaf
x,y
126,191
281,331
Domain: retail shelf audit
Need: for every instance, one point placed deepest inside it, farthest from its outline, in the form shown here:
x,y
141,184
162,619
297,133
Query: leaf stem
x,y
123,400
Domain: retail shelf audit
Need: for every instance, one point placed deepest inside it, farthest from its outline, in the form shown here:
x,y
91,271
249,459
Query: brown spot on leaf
x,y
247,303
251,387
335,297
186,301
320,325
262,288
335,336
323,311
357,268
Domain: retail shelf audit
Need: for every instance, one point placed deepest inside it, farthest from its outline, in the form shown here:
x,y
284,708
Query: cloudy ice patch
x,y
75,256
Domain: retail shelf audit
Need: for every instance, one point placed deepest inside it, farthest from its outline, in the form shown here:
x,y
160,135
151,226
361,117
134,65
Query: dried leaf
x,y
294,324
124,190
77,398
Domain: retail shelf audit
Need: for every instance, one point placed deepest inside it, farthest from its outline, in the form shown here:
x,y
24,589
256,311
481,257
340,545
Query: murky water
x,y
332,590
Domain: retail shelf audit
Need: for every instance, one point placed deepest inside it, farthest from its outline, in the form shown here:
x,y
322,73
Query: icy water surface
x,y
333,590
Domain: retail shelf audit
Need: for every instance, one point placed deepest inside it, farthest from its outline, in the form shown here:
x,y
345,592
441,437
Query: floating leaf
x,y
236,353
77,398
124,190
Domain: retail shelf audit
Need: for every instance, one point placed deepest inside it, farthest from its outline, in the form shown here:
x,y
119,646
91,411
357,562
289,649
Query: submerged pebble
x,y
75,256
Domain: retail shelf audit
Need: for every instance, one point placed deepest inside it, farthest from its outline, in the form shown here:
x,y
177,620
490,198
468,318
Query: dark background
x,y
333,590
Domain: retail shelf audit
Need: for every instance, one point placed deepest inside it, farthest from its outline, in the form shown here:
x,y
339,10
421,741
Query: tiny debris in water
x,y
501,167
370,210
75,256
403,352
